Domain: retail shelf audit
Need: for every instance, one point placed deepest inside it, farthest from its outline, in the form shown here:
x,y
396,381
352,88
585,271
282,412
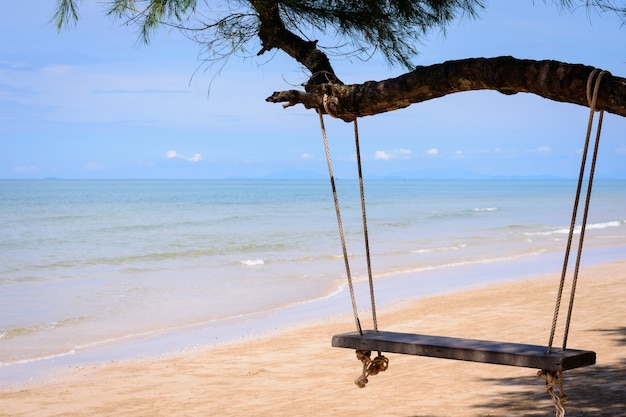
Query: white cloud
x,y
544,149
58,69
396,153
432,151
93,166
16,65
173,154
306,155
22,169
402,153
382,155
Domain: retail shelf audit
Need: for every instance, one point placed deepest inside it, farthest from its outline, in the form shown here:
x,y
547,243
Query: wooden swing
x,y
550,362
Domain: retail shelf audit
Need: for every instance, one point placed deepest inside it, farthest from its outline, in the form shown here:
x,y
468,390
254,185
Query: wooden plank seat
x,y
501,353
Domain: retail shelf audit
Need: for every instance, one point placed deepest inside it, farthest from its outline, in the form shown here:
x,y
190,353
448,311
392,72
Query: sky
x,y
93,102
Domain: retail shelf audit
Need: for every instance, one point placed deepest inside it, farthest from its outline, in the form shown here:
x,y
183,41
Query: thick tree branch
x,y
552,80
274,34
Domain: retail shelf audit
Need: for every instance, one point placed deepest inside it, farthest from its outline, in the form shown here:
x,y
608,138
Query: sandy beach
x,y
298,373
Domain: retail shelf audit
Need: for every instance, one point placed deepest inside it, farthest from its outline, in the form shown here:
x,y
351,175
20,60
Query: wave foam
x,y
252,262
441,249
577,229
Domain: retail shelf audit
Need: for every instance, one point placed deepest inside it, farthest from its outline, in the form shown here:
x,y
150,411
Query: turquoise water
x,y
86,265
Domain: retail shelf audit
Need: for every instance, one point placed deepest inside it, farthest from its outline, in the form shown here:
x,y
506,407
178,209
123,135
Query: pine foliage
x,y
393,28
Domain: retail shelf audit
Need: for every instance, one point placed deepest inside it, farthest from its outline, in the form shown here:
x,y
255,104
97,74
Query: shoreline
x,y
396,290
296,372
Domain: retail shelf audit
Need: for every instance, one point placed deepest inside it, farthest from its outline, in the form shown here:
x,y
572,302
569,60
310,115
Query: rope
x,y
592,105
553,378
326,104
365,233
380,363
340,225
370,366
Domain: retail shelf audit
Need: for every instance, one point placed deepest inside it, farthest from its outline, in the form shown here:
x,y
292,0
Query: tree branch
x,y
552,80
274,34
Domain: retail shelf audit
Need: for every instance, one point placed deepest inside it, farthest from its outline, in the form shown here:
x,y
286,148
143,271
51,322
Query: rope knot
x,y
370,366
552,379
593,85
378,364
326,102
333,108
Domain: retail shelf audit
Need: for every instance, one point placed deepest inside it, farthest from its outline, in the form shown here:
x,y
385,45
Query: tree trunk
x,y
552,80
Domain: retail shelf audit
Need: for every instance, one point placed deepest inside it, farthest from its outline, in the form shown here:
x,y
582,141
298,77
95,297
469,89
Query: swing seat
x,y
500,353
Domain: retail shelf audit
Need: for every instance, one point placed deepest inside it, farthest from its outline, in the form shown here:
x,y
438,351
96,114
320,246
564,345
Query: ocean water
x,y
88,267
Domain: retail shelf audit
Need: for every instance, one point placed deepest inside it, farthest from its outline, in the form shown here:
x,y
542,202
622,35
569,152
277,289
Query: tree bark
x,y
552,80
274,34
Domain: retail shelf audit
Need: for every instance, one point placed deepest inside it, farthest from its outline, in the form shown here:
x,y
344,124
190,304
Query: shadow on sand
x,y
597,390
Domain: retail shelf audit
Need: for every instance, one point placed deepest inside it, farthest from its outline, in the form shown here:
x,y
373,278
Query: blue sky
x,y
93,102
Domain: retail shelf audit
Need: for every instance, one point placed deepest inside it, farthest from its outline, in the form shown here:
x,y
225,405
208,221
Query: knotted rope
x,y
380,363
370,366
553,378
550,377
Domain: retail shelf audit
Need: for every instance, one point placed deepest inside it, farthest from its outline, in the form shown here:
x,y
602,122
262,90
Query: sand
x,y
297,372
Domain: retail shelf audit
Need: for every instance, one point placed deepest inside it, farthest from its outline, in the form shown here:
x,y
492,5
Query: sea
x,y
102,270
